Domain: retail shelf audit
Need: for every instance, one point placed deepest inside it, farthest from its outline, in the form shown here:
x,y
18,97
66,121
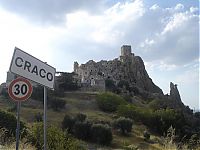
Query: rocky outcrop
x,y
174,93
139,77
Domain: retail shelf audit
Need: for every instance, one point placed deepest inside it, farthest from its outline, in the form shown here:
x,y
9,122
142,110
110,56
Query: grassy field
x,y
85,103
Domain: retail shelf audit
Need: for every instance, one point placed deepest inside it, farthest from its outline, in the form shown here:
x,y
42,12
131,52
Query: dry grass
x,y
22,146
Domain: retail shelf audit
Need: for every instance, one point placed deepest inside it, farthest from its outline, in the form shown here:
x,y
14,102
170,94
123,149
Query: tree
x,y
124,124
67,82
109,101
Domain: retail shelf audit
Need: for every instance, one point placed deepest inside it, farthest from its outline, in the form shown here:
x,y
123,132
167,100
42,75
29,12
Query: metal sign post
x,y
45,117
27,66
19,90
18,125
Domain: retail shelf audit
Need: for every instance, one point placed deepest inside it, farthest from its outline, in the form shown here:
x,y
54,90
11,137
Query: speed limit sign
x,y
20,89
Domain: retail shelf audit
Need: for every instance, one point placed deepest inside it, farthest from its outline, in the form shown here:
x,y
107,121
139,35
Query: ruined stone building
x,y
127,67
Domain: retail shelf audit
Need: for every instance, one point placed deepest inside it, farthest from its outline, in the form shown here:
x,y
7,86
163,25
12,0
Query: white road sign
x,y
29,67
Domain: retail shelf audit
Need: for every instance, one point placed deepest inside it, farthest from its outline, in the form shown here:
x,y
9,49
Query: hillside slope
x,y
79,102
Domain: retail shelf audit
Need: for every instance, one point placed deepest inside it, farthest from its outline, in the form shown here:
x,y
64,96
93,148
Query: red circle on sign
x,y
26,95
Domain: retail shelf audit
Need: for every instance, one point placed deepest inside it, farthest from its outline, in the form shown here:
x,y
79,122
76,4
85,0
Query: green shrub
x,y
68,123
159,120
82,130
9,122
124,124
56,138
109,101
57,104
128,111
80,117
101,134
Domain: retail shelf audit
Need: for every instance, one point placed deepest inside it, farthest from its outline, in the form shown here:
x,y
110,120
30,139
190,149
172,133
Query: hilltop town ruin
x,y
127,67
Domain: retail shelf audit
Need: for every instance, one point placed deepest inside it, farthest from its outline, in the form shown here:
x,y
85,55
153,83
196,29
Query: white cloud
x,y
176,36
154,7
175,22
48,12
166,38
179,7
194,9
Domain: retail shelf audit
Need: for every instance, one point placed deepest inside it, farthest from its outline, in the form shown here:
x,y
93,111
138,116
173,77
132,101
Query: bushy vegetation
x,y
80,117
124,124
9,122
109,102
68,123
56,103
83,129
68,83
101,134
56,138
158,121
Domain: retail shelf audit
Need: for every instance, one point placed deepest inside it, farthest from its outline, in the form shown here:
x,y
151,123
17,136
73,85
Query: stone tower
x,y
126,55
76,65
126,50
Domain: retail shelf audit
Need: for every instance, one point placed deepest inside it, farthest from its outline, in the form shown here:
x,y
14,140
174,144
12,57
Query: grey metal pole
x,y
18,125
45,117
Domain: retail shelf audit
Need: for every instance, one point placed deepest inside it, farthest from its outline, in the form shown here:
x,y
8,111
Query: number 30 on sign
x,y
20,89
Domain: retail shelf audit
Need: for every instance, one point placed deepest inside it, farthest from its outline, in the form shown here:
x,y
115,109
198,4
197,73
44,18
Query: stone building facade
x,y
127,67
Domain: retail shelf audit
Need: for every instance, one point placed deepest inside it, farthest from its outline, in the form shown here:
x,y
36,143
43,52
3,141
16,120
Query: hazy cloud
x,y
50,11
164,34
175,41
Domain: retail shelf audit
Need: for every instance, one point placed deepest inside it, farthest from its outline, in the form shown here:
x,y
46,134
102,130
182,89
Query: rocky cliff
x,y
137,75
127,67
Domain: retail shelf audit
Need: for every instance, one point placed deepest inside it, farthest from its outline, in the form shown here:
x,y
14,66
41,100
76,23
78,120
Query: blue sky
x,y
164,33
